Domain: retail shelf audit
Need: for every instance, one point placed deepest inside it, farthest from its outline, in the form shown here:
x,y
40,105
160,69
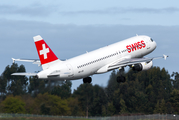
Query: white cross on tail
x,y
44,51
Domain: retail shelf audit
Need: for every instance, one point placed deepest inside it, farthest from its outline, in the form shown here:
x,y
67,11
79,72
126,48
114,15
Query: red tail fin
x,y
46,55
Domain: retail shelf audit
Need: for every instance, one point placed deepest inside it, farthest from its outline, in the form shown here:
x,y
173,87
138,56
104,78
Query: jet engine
x,y
142,66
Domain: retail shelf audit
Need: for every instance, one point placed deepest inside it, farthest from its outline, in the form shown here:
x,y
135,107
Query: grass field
x,y
49,117
40,118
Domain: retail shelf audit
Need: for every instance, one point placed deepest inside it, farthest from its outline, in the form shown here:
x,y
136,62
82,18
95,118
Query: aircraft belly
x,y
82,73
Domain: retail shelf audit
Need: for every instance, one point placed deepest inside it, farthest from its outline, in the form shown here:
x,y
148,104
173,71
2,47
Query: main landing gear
x,y
121,78
87,80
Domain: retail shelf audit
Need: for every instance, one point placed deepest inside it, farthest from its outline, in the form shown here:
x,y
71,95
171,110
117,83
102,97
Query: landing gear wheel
x,y
87,80
36,77
84,80
121,79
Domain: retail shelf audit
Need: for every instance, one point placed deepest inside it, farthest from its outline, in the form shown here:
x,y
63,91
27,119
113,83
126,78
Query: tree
x,y
29,103
54,87
160,107
84,93
13,105
112,84
16,85
99,100
74,106
36,86
151,98
157,85
174,100
110,109
63,90
163,106
123,106
176,80
51,105
3,85
141,91
157,108
92,99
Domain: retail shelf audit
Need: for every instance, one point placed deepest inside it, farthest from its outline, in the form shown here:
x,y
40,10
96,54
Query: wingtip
x,y
165,56
13,60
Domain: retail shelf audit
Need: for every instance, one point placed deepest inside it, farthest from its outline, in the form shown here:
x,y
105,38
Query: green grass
x,y
38,118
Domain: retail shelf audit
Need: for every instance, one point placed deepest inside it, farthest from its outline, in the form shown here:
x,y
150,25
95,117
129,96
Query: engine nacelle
x,y
142,66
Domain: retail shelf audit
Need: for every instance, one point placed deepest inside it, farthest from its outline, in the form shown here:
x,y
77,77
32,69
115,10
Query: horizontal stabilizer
x,y
24,74
35,61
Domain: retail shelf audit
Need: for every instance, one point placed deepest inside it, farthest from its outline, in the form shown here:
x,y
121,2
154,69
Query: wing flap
x,y
128,62
131,61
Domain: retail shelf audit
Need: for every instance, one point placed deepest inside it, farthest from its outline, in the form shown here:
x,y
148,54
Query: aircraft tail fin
x,y
46,55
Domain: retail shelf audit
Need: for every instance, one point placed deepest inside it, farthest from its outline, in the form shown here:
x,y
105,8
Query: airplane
x,y
129,52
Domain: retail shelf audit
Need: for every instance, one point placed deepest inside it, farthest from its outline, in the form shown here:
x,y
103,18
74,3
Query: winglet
x,y
165,56
13,60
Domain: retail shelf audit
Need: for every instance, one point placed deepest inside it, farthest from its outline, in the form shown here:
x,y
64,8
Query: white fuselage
x,y
98,61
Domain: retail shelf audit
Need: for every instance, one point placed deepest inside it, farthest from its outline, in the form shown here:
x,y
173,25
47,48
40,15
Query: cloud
x,y
116,10
31,10
153,10
40,10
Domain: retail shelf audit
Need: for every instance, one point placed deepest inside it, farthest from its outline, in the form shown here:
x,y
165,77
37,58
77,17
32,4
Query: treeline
x,y
146,92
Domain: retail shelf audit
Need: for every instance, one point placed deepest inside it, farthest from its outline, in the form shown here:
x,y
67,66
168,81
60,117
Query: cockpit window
x,y
151,39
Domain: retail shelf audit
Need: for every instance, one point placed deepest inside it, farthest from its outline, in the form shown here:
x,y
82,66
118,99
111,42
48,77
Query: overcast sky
x,y
71,28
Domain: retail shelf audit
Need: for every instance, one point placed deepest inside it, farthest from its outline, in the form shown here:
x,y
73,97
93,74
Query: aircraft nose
x,y
154,44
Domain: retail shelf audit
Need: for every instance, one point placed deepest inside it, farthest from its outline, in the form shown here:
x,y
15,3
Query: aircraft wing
x,y
35,61
128,62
